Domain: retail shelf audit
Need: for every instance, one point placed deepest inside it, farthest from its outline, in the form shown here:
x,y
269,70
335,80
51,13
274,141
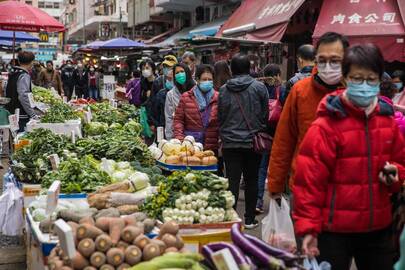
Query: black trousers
x,y
81,92
246,161
371,251
68,90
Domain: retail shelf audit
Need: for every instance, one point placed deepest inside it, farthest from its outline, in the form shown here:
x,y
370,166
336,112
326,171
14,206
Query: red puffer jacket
x,y
189,118
336,185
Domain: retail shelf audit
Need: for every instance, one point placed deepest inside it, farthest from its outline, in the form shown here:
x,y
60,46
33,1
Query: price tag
x,y
52,197
160,135
13,120
87,117
73,136
224,260
54,158
31,100
65,99
66,240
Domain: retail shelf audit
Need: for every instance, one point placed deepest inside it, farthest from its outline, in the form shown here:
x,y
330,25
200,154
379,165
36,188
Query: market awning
x,y
170,41
208,29
378,22
266,20
19,36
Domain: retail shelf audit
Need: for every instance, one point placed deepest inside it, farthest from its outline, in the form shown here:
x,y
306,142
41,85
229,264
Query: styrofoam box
x,y
58,128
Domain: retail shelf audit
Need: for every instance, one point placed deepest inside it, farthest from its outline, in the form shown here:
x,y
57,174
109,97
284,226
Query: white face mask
x,y
330,76
146,73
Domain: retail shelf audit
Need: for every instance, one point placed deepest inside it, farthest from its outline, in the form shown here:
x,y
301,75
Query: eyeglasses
x,y
358,81
334,63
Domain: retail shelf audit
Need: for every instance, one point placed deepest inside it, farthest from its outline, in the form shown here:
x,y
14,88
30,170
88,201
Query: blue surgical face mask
x,y
206,86
362,95
166,71
399,85
168,85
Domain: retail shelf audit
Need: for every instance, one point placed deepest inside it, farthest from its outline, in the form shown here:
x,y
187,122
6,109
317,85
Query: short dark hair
x,y
331,37
202,69
366,56
49,62
271,70
306,52
69,61
240,64
25,57
136,73
398,74
149,62
387,89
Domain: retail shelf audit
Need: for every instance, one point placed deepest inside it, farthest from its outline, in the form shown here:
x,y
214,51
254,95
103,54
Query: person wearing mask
x,y
190,60
158,110
272,81
50,77
81,81
36,70
398,78
167,65
305,62
67,79
299,110
94,83
242,99
222,74
183,82
19,88
197,112
148,69
349,163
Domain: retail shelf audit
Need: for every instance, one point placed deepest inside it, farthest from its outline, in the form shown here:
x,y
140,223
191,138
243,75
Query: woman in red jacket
x,y
350,161
196,114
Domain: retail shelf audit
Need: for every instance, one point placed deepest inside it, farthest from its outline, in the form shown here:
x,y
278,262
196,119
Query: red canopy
x,y
270,18
376,21
16,16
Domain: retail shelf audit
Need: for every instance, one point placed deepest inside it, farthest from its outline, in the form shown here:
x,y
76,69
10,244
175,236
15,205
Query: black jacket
x,y
253,96
158,108
67,76
80,78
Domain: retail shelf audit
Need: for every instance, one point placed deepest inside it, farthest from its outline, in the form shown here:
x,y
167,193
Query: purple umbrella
x,y
120,43
95,44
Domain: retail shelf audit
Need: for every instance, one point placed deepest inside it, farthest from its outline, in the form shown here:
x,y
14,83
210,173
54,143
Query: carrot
x,y
123,266
79,262
65,268
86,247
103,223
141,241
116,226
87,220
150,251
107,267
169,240
129,233
97,259
170,227
129,220
122,245
103,242
160,243
90,268
87,231
55,263
133,255
115,256
171,249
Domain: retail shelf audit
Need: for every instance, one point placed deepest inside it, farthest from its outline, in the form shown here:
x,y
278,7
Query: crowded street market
x,y
202,134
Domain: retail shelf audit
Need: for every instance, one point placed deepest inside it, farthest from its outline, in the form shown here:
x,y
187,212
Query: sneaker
x,y
251,225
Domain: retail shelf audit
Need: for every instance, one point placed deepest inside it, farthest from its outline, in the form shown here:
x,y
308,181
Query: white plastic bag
x,y
277,226
312,264
11,205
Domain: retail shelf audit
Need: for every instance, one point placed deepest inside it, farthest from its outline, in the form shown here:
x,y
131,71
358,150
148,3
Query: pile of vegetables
x,y
45,95
192,197
59,113
31,162
250,253
78,175
105,113
120,243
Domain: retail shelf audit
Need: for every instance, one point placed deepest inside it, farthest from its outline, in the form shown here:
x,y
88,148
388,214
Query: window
x,y
48,5
56,5
41,4
28,2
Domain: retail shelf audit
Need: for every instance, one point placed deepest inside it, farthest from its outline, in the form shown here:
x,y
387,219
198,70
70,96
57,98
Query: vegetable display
x,y
192,197
59,113
121,243
45,95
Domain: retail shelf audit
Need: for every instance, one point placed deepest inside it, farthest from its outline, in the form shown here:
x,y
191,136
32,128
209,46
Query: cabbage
x,y
107,165
139,180
119,176
122,165
95,128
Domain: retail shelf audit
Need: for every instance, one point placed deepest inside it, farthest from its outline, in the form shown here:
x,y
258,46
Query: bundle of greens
x,y
104,112
45,95
59,113
78,175
31,162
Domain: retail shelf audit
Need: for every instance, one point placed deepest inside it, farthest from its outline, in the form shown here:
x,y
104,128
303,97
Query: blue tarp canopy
x,y
120,43
208,29
6,43
19,36
94,45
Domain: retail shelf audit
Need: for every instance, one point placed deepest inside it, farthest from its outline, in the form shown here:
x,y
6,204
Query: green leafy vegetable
x,y
59,113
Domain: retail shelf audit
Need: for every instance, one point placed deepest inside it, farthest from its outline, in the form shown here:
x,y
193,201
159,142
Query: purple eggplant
x,y
289,259
247,246
236,253
207,253
250,262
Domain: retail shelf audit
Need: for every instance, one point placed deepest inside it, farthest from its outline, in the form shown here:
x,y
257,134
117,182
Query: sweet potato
x,y
133,255
86,247
79,262
99,201
170,227
87,220
103,223
161,245
109,212
127,209
87,231
129,233
169,240
103,243
116,226
129,220
75,216
121,186
115,256
97,259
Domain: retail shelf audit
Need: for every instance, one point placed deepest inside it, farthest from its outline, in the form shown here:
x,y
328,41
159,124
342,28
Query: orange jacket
x,y
298,113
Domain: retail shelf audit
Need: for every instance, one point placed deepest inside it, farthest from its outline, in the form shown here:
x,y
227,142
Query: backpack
x,y
133,92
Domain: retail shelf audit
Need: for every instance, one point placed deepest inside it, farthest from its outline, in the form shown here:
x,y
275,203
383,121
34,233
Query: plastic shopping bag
x,y
312,264
277,226
11,207
146,131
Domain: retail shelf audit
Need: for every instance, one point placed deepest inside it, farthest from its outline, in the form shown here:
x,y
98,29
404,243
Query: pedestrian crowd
x,y
337,130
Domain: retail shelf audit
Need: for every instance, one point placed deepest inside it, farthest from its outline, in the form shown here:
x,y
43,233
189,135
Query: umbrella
x,y
17,16
120,43
6,43
95,44
19,36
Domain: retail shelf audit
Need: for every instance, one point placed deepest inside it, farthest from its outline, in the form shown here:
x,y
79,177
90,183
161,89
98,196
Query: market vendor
x,y
196,114
19,87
